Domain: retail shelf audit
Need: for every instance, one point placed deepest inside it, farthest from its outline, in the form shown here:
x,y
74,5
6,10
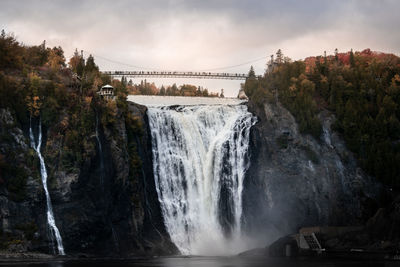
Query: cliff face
x,y
295,180
99,209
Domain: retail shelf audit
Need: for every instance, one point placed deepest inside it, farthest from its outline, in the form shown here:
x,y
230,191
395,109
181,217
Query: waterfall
x,y
54,232
102,170
200,159
100,153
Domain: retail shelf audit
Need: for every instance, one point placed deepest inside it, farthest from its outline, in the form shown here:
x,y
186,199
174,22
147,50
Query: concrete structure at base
x,y
310,237
315,240
107,92
308,240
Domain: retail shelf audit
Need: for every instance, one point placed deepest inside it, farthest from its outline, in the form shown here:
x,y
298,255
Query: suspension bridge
x,y
177,74
145,72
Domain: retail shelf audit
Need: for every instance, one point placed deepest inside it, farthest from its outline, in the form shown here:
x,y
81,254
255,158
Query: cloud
x,y
197,35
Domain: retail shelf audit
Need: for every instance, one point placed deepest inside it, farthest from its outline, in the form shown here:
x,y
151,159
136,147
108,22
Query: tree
x,y
10,52
56,59
188,90
174,90
279,57
336,55
352,62
91,66
251,83
251,74
33,100
162,90
77,63
123,81
199,91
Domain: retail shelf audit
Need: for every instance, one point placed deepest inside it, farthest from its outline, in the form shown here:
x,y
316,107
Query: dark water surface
x,y
203,262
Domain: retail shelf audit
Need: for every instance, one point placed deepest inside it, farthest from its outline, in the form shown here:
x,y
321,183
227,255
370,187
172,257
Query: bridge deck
x,y
150,100
176,74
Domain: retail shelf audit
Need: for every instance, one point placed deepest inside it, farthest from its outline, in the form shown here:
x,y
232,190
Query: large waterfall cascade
x,y
200,159
54,232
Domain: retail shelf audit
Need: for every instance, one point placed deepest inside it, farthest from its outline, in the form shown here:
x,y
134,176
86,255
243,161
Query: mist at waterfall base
x,y
200,159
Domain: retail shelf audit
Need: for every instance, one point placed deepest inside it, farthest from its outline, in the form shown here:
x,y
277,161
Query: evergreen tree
x,y
279,56
174,90
162,90
198,92
90,65
352,62
77,63
123,81
336,55
251,74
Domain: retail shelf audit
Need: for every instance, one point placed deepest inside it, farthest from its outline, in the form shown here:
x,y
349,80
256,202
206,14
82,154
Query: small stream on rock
x,y
102,185
100,153
54,232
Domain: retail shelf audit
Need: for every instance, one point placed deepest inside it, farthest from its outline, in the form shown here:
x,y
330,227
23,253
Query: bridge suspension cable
x,y
234,66
155,69
118,62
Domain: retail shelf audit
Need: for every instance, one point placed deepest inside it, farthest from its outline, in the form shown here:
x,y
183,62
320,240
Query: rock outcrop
x,y
295,180
242,95
99,208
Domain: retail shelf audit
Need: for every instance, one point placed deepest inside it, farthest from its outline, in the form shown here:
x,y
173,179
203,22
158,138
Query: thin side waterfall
x,y
55,233
102,170
100,154
200,159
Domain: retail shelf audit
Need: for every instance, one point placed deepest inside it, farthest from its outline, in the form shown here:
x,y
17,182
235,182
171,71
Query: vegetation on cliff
x,y
36,84
362,89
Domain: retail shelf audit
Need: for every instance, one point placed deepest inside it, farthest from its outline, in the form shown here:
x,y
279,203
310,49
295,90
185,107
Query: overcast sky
x,y
203,35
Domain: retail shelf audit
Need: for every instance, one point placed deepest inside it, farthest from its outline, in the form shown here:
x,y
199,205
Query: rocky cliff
x,y
295,180
100,207
104,207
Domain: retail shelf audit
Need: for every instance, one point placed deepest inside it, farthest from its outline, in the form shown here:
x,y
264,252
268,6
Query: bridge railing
x,y
178,74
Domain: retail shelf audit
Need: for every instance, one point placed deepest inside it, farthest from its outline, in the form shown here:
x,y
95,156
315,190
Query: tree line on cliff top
x,y
362,89
146,88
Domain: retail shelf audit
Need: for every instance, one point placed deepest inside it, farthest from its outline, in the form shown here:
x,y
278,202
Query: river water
x,y
206,262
